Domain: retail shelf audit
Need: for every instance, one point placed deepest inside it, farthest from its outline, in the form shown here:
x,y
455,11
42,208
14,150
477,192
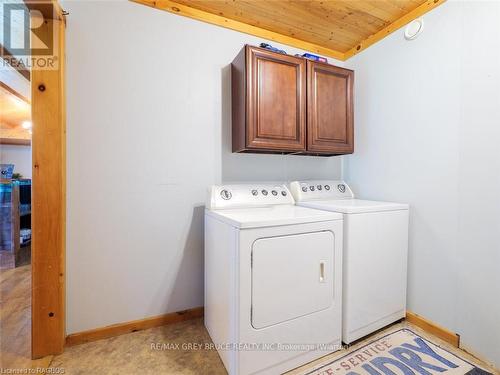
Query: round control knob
x,y
264,192
255,192
226,194
327,187
311,188
341,188
283,193
304,189
274,192
319,187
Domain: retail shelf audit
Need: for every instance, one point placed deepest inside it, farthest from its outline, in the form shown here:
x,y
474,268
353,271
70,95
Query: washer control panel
x,y
251,195
320,190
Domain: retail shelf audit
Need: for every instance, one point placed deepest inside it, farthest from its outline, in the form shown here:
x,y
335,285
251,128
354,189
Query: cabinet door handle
x,y
322,271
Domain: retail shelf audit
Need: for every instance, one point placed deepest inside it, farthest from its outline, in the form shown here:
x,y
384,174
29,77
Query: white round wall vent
x,y
414,29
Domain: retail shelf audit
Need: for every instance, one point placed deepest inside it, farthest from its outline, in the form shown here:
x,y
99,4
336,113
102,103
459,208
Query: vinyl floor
x,y
172,349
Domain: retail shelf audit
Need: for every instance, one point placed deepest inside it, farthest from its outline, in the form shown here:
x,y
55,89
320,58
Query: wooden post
x,y
48,203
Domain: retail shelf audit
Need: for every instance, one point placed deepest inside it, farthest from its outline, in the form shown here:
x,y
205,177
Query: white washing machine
x,y
272,279
375,255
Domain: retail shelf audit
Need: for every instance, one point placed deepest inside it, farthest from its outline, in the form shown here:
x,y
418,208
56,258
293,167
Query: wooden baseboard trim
x,y
15,141
133,326
434,329
157,321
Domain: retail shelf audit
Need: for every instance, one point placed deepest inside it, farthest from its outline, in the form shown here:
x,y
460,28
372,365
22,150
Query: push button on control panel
x,y
283,193
341,188
311,188
327,187
255,192
319,187
274,192
304,189
264,192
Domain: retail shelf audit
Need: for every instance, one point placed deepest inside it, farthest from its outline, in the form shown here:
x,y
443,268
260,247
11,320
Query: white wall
x,y
148,118
18,155
427,132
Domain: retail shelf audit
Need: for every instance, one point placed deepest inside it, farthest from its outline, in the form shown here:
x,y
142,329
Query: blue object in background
x,y
271,48
7,170
310,56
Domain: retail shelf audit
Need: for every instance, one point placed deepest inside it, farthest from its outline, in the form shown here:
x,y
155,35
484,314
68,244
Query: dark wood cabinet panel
x,y
329,109
269,102
287,104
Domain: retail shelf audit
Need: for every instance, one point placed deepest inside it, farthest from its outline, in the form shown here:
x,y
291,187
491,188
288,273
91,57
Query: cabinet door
x,y
276,101
330,109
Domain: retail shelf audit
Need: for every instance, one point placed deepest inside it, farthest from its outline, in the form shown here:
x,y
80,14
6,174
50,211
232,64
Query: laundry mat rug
x,y
399,353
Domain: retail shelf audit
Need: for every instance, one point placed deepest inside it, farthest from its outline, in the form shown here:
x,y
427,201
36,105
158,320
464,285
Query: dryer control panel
x,y
248,195
320,190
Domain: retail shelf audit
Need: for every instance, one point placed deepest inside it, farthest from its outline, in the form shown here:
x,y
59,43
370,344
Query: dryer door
x,y
292,276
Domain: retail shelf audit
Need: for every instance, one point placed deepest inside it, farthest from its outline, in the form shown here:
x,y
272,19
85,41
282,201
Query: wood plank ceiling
x,y
336,28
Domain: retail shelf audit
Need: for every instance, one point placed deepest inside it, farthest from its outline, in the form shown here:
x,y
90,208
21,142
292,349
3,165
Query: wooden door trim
x,y
49,203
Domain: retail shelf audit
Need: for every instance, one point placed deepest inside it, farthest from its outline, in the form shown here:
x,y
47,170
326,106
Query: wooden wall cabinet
x,y
287,104
269,102
329,109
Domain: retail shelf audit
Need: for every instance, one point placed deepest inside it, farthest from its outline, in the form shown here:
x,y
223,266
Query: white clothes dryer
x,y
272,279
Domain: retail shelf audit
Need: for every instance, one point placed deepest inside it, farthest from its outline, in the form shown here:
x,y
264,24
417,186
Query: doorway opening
x,y
15,166
15,218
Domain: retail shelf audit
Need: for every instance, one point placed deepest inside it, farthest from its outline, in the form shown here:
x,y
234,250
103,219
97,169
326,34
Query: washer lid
x,y
354,206
270,216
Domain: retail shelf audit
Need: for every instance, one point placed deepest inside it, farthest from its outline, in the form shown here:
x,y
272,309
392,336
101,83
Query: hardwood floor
x,y
15,320
7,260
15,317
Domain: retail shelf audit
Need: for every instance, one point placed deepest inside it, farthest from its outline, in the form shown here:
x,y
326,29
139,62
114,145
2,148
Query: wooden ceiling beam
x,y
183,10
406,19
6,87
17,65
15,141
5,125
14,135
